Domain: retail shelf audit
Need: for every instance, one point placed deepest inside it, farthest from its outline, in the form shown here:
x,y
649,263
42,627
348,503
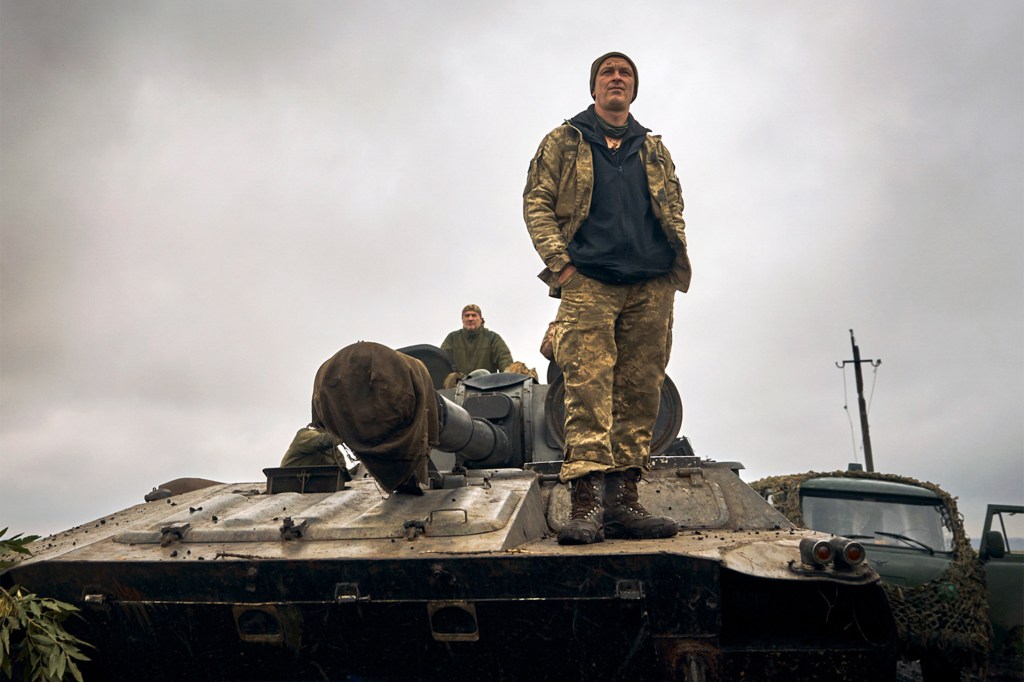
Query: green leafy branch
x,y
32,631
15,544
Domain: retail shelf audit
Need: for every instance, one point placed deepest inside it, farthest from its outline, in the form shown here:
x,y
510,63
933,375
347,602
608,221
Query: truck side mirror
x,y
995,548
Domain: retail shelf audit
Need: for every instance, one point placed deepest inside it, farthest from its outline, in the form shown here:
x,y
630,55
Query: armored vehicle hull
x,y
312,576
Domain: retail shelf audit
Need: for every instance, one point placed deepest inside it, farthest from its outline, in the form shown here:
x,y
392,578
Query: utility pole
x,y
869,461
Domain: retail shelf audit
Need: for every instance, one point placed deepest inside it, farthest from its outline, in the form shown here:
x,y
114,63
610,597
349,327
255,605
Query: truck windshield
x,y
909,523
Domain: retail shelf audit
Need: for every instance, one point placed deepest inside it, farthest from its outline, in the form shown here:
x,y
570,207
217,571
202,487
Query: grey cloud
x,y
203,201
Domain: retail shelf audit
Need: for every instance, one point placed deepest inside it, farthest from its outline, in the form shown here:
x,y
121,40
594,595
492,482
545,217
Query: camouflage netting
x,y
946,617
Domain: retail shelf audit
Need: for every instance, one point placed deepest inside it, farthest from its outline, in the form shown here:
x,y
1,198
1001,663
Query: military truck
x,y
933,577
1002,555
322,573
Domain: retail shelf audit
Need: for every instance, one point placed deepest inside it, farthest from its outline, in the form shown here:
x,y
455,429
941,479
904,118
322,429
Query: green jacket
x,y
558,192
482,349
312,447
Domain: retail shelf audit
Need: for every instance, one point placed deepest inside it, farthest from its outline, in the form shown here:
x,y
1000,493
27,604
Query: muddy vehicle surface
x,y
317,573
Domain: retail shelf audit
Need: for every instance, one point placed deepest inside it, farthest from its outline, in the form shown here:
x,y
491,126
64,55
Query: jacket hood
x,y
586,121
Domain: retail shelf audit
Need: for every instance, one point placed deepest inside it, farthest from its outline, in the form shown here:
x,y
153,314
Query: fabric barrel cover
x,y
381,403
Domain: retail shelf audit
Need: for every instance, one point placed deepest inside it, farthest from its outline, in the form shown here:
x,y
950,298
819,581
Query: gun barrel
x,y
477,440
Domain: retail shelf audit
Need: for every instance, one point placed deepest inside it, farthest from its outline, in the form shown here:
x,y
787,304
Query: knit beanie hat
x,y
600,60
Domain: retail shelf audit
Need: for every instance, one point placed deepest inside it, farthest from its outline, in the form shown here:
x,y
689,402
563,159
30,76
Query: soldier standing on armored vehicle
x,y
604,209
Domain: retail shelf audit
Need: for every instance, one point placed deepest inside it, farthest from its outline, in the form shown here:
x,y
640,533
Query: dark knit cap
x,y
600,60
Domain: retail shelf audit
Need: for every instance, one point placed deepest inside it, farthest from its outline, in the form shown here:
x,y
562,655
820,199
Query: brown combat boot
x,y
584,526
625,517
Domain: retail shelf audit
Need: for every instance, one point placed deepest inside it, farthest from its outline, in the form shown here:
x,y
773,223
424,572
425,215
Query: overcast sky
x,y
202,201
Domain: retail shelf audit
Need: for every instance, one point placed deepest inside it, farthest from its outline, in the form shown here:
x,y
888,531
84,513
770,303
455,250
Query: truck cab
x,y
905,528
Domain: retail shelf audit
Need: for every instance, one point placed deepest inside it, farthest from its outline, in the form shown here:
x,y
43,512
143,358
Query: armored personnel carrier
x,y
320,573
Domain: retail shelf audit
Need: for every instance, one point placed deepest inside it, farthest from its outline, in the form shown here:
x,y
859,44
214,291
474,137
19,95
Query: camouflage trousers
x,y
612,342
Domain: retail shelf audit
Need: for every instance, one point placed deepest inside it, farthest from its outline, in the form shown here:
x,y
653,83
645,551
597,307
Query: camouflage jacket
x,y
558,192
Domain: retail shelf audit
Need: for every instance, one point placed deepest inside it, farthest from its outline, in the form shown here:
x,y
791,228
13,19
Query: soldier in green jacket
x,y
475,347
603,207
312,446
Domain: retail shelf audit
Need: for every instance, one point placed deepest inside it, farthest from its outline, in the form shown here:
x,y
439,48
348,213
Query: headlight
x,y
848,553
817,553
